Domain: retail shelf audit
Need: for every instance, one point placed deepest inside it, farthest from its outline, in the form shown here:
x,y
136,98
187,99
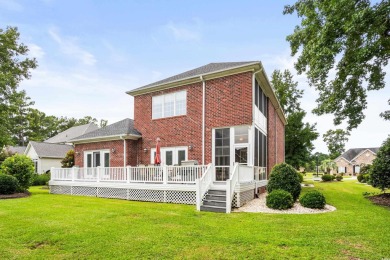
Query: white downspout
x,y
124,150
203,115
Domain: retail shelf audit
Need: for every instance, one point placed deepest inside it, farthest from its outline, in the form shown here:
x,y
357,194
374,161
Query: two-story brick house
x,y
220,114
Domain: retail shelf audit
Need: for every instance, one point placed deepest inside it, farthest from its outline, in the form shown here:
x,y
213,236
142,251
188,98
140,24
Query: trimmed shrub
x,y
327,177
300,175
8,184
339,177
279,199
284,177
21,167
367,178
360,178
40,179
313,199
380,171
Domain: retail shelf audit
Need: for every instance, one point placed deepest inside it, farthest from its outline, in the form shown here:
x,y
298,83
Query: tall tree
x,y
335,141
18,109
14,67
351,37
299,136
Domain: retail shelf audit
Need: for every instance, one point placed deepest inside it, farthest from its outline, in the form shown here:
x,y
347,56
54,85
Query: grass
x,y
46,226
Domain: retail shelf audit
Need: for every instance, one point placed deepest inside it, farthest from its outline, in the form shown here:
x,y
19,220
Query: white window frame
x,y
102,159
162,97
175,157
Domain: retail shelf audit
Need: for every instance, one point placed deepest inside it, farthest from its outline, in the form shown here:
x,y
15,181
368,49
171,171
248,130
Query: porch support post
x,y
52,173
98,174
198,192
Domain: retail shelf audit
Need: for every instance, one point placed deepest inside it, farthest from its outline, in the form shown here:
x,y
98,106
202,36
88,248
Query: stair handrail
x,y
230,186
203,184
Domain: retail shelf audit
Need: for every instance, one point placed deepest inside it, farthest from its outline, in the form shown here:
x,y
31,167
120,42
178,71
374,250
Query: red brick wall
x,y
275,133
116,158
228,103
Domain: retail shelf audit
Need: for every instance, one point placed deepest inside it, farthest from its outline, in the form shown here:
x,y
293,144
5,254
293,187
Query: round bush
x,y
284,177
8,184
279,199
360,178
300,175
339,177
327,177
21,167
40,179
313,199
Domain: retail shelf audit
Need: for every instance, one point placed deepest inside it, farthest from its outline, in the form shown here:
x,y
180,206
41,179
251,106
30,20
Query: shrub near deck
x,y
285,177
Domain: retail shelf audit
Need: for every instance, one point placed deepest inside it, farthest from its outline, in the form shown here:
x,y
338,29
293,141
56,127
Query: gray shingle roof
x,y
123,127
50,150
352,153
209,68
73,132
17,149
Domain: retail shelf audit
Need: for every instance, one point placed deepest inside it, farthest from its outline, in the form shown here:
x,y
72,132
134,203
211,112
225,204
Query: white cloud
x,y
185,32
35,51
11,5
69,47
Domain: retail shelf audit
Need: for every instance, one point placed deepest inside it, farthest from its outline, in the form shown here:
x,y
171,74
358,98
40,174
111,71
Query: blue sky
x,y
91,52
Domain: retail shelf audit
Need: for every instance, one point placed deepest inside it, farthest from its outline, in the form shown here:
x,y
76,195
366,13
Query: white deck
x,y
172,184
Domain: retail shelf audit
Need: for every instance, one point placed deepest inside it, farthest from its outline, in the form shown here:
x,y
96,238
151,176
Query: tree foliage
x,y
380,170
328,165
299,136
335,141
14,67
347,36
68,161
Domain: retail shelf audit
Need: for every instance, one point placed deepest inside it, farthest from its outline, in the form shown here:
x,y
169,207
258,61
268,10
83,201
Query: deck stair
x,y
215,201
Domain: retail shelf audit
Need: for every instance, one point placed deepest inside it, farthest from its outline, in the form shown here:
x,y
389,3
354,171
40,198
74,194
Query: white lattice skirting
x,y
240,198
168,196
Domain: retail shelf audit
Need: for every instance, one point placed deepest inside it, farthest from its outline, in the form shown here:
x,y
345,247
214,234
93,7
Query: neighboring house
x,y
50,152
225,116
46,155
73,132
352,160
16,149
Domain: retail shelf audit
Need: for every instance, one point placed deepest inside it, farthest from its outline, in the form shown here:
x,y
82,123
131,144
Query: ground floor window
x,y
356,169
35,165
170,155
341,170
97,158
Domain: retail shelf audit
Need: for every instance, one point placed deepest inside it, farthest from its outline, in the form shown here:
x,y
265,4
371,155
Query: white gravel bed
x,y
258,205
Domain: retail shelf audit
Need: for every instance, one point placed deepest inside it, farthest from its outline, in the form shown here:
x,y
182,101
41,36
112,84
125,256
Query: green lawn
x,y
46,226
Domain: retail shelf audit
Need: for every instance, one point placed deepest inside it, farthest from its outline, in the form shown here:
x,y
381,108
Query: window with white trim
x,y
168,105
97,158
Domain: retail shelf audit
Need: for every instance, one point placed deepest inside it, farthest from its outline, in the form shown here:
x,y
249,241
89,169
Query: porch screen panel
x,y
260,149
256,159
222,153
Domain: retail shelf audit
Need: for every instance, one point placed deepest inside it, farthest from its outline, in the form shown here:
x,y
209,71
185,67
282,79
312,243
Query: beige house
x,y
352,160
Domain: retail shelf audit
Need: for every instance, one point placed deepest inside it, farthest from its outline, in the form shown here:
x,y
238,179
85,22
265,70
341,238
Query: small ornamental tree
x,y
285,177
380,170
21,167
68,161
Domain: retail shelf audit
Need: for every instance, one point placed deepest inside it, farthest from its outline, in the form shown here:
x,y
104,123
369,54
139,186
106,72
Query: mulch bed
x,y
15,195
381,199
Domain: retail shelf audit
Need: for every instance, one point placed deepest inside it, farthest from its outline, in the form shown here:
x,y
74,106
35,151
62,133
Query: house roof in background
x,y
17,149
123,127
73,132
206,69
48,150
353,152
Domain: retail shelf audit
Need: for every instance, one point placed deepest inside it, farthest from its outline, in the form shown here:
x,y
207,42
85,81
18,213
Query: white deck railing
x,y
230,186
203,185
149,174
260,173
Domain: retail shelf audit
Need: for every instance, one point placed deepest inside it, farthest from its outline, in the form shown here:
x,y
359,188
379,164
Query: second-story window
x,y
172,104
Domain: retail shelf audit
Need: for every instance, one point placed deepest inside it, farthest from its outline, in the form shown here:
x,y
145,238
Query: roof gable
x,y
48,150
353,152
